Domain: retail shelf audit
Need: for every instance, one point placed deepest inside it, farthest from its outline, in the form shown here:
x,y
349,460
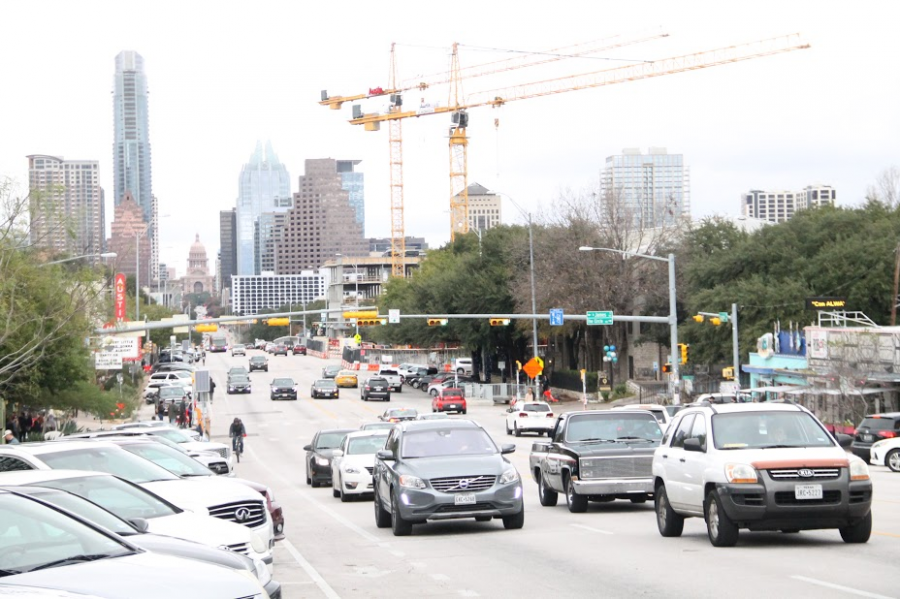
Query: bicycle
x,y
237,445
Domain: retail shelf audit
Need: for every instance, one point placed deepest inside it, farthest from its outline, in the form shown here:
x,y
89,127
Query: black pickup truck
x,y
597,455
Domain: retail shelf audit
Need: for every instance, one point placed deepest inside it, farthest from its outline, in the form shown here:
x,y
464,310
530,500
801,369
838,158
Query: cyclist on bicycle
x,y
237,432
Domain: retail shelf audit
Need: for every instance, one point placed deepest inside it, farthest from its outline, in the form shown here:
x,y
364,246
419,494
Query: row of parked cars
x,y
130,513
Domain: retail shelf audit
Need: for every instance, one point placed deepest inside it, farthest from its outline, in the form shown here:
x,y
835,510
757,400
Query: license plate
x,y
378,388
868,437
808,492
453,406
464,499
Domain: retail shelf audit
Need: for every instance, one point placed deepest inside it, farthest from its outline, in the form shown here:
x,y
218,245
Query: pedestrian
x,y
172,416
161,409
181,414
24,425
50,422
188,416
10,438
212,389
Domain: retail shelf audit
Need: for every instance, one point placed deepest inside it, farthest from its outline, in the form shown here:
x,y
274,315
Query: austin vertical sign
x,y
120,297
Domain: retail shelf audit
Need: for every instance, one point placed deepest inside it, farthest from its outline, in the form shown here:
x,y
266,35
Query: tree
x,y
886,189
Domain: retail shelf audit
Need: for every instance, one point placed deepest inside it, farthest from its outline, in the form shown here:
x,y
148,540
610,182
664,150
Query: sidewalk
x,y
91,423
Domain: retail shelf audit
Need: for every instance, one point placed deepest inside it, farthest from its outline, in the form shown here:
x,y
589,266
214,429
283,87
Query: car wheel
x,y
516,430
515,521
433,392
722,531
576,503
548,496
399,388
308,479
859,532
382,517
483,518
464,411
335,493
892,460
399,526
508,430
315,484
344,497
670,524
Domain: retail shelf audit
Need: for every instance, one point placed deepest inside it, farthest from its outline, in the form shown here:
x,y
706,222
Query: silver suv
x,y
759,466
441,470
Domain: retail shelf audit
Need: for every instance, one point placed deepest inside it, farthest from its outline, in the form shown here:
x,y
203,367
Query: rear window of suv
x,y
880,423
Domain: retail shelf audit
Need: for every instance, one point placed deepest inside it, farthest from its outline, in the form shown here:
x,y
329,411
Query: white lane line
x,y
307,567
592,529
838,587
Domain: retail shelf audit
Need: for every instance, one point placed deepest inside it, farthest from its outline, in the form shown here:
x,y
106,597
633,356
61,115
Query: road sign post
x,y
602,317
557,317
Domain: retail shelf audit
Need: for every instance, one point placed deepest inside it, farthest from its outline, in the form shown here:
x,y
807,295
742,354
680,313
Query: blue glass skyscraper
x,y
353,183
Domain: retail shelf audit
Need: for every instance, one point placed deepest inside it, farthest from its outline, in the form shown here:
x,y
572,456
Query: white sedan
x,y
530,416
353,462
886,453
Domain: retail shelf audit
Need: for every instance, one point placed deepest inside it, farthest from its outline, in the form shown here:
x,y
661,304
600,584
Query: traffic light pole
x,y
736,354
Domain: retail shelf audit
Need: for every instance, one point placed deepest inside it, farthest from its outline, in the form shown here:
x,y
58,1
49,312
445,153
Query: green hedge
x,y
571,380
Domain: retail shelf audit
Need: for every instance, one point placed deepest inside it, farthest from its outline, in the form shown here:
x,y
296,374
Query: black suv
x,y
376,388
259,363
284,388
874,427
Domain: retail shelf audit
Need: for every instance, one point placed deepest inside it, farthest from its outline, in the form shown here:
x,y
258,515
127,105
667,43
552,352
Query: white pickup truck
x,y
393,378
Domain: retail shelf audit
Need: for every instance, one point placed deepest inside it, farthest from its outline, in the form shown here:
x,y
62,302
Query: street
x,y
333,549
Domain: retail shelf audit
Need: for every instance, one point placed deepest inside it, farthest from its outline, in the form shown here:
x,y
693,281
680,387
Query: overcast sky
x,y
224,74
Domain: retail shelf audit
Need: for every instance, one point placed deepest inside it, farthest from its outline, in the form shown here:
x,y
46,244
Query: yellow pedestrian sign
x,y
358,338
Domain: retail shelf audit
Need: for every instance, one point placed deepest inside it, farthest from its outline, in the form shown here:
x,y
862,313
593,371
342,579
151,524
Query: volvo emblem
x,y
242,514
464,483
806,473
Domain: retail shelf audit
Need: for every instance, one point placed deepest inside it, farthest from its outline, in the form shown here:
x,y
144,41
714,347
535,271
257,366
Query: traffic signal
x,y
206,328
278,322
370,322
437,322
361,314
715,320
667,368
683,348
728,373
499,322
698,318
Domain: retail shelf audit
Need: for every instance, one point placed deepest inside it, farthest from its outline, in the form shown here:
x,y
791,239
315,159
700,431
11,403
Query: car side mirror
x,y
507,448
385,454
140,523
694,445
844,440
337,453
307,448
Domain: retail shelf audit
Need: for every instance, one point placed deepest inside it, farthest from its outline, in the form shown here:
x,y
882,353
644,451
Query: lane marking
x,y
310,571
886,534
592,529
327,412
838,587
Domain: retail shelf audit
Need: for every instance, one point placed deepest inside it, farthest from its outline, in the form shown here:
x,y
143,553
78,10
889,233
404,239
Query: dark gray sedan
x,y
441,470
239,383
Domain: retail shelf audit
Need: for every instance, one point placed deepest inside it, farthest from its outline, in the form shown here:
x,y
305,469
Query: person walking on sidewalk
x,y
161,409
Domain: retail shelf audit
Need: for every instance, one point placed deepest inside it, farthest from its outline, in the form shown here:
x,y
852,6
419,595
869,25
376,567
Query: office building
x,y
131,144
254,293
128,239
381,245
353,183
264,186
269,229
646,190
322,222
485,208
777,206
227,247
66,205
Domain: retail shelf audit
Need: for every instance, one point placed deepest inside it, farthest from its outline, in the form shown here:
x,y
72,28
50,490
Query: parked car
x,y
259,363
352,463
283,388
49,548
324,388
319,454
238,350
376,387
453,382
398,414
449,400
182,377
169,396
173,366
298,348
886,453
463,366
346,378
280,350
330,371
662,414
530,417
874,427
413,484
269,348
151,393
759,466
414,375
239,383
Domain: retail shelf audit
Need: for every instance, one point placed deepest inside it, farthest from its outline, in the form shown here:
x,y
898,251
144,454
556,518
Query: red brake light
x,y
887,434
368,388
549,414
523,414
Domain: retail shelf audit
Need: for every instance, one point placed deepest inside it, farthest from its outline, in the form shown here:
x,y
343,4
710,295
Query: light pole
x,y
104,256
673,315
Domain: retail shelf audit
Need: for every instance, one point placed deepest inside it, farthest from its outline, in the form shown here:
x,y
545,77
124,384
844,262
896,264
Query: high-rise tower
x,y
131,145
264,186
646,190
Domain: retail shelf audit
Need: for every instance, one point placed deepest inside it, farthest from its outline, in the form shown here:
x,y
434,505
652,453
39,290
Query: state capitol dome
x,y
197,279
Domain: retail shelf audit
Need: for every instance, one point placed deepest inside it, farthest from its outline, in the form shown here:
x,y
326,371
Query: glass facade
x,y
353,183
131,147
264,186
653,188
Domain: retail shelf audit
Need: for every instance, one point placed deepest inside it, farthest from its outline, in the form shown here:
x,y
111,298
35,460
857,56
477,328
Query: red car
x,y
299,349
449,400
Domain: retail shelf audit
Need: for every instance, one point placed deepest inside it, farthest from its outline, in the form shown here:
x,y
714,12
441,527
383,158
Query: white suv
x,y
463,366
760,466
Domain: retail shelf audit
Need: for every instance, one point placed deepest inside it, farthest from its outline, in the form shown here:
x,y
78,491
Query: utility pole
x,y
896,286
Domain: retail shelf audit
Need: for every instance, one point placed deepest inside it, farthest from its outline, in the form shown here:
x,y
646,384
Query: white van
x,y
463,366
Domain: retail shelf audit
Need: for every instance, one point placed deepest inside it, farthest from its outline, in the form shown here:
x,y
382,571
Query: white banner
x,y
128,348
817,344
107,361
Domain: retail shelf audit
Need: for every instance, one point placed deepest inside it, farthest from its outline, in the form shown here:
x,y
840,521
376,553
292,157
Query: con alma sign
x,y
826,303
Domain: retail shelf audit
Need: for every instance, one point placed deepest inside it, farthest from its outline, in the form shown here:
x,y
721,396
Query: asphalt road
x,y
333,549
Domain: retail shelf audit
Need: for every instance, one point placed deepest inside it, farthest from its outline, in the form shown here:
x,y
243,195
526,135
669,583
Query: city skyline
x,y
731,123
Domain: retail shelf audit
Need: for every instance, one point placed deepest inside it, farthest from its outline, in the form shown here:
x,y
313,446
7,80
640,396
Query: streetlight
x,y
673,316
104,256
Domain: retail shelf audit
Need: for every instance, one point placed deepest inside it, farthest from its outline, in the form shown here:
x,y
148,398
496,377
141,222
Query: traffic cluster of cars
x,y
141,511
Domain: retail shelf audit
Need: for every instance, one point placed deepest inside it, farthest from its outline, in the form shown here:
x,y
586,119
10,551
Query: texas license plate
x,y
868,437
808,492
453,406
464,499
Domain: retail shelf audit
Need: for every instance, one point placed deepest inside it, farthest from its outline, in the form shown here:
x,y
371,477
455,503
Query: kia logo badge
x,y
806,473
242,514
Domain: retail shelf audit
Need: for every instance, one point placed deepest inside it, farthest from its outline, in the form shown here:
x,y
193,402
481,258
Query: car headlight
x,y
262,572
322,461
878,444
741,473
859,470
408,481
256,542
351,469
510,476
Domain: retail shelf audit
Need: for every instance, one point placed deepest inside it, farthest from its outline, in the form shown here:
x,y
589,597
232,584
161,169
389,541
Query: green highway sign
x,y
603,317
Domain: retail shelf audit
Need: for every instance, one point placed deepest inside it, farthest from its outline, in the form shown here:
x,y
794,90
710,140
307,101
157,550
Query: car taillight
x,y
368,388
549,414
523,415
887,434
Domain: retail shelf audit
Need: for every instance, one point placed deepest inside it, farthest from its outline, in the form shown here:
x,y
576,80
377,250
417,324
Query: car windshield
x,y
672,410
123,499
283,383
330,440
174,391
326,383
111,460
85,509
238,347
347,373
34,536
332,368
237,370
172,460
377,426
612,426
878,424
171,434
536,407
446,442
453,393
760,430
258,359
403,413
240,378
436,416
374,381
366,445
